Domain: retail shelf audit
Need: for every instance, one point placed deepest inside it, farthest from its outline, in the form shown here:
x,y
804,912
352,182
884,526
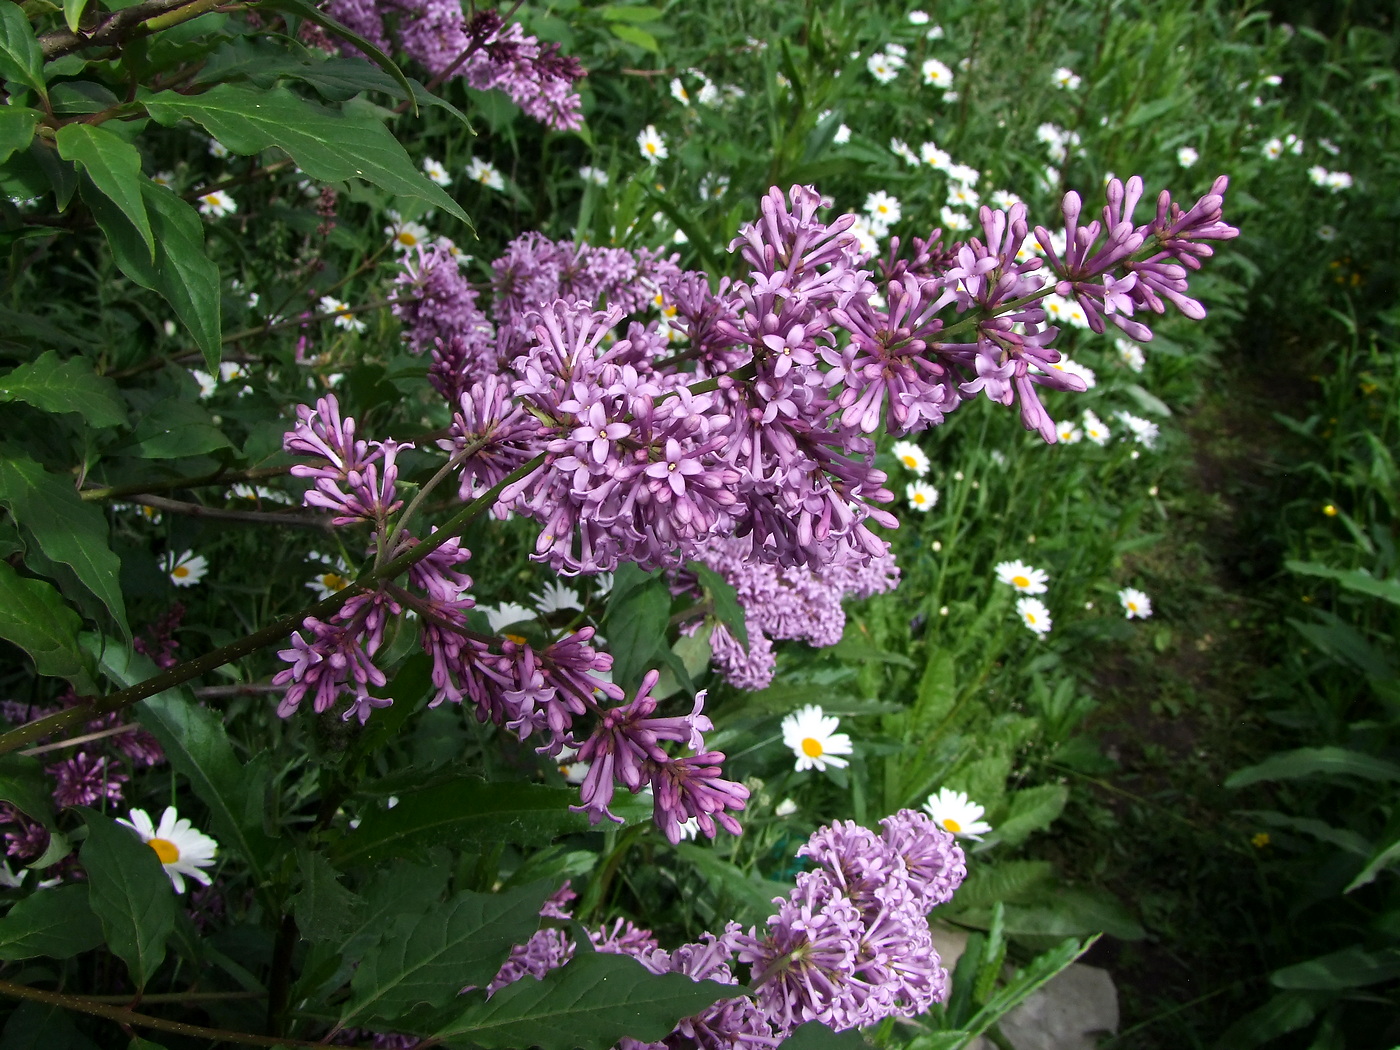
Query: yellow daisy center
x,y
1020,581
920,498
518,639
1132,606
651,147
179,572
166,850
333,581
812,747
952,825
908,461
407,239
1030,617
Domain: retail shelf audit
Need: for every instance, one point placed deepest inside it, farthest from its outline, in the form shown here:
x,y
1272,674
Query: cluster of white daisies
x,y
1029,581
812,735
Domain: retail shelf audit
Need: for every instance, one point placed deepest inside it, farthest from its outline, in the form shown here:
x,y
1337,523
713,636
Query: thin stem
x,y
273,632
326,315
224,692
113,31
218,477
257,517
75,741
122,1016
452,463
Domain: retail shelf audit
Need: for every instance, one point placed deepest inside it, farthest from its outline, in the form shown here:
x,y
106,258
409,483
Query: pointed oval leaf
x,y
58,923
17,125
34,617
114,166
21,58
130,893
56,385
591,1002
1351,967
24,786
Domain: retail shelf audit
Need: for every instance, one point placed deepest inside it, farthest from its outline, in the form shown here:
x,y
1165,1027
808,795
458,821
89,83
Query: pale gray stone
x,y
1074,1011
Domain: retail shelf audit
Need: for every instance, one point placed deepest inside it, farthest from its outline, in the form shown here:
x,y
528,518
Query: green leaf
x,y
21,58
56,385
197,747
630,14
1284,1013
182,272
752,893
43,1026
1343,838
636,628
23,784
1351,967
692,652
130,893
56,922
34,617
1008,881
591,1002
324,909
173,428
816,1036
632,35
67,529
1351,579
1073,912
1148,402
429,957
309,11
724,600
114,165
1033,809
73,13
328,145
1315,761
1378,862
16,129
1021,986
461,811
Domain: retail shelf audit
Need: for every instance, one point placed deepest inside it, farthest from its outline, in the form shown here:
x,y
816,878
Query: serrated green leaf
x,y
172,429
21,58
1031,810
34,617
56,385
1007,881
130,893
24,786
324,909
461,811
1352,967
724,600
328,145
428,958
1315,761
591,1002
57,922
114,166
197,746
67,529
16,129
73,13
182,272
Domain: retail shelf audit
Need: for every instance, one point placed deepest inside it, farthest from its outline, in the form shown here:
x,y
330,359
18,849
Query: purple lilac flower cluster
x,y
793,603
532,692
481,49
848,947
94,774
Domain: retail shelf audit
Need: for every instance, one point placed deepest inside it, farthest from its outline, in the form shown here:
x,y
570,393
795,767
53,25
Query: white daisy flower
x,y
1130,354
912,456
1144,431
1272,150
435,171
344,318
164,178
334,576
1326,232
505,614
954,221
953,811
182,850
556,596
963,173
936,74
1186,156
407,235
901,149
652,145
867,235
1136,605
1095,430
961,196
934,33
186,570
1034,615
486,173
884,67
786,808
207,383
1004,200
1069,433
597,176
1338,180
938,159
572,771
918,18
218,149
678,92
842,136
217,204
1024,578
1065,79
882,208
922,496
813,738
1329,146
